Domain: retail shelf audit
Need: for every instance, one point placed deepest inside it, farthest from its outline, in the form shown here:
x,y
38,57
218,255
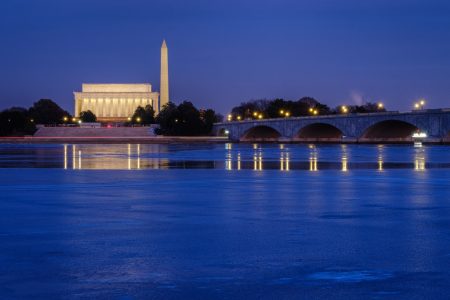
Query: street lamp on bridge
x,y
420,104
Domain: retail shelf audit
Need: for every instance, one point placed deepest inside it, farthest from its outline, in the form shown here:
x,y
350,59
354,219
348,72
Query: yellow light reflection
x,y
239,161
129,156
138,156
74,166
257,162
313,159
105,157
380,157
344,158
284,161
419,162
344,164
380,164
313,164
65,157
228,162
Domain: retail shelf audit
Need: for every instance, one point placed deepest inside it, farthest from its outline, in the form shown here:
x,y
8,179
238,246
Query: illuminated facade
x,y
164,79
117,102
114,101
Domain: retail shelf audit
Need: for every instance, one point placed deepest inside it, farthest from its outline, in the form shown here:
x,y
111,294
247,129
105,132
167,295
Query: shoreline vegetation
x,y
173,120
192,140
183,119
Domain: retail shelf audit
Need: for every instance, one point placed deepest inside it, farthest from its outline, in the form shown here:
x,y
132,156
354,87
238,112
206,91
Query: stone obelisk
x,y
164,82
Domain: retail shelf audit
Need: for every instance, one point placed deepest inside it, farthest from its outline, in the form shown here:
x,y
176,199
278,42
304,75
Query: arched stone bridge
x,y
374,127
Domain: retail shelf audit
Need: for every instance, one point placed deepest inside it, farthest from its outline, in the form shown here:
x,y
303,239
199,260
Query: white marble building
x,y
117,102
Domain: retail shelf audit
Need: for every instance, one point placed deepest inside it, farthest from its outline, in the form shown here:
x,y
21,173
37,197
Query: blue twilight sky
x,y
224,52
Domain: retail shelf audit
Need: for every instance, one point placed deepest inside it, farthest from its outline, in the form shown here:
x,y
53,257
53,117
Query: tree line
x,y
183,119
306,106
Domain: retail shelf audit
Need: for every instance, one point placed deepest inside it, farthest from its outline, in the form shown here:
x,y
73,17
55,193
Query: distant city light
x,y
260,116
380,105
239,117
344,109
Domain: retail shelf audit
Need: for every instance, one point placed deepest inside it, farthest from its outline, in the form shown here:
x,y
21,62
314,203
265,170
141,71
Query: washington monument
x,y
164,83
117,102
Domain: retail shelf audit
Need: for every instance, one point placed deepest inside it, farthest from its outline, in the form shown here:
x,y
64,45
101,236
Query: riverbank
x,y
197,139
114,140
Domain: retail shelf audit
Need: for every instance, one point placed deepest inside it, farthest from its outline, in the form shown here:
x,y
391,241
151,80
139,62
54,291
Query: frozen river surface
x,y
224,222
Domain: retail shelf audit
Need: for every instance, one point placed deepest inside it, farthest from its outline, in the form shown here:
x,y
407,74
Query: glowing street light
x,y
138,119
230,117
260,116
344,109
281,112
239,118
420,104
287,114
255,114
129,118
65,119
74,119
380,105
315,112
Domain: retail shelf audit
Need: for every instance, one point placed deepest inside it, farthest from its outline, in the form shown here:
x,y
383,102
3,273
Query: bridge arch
x,y
391,129
319,131
261,133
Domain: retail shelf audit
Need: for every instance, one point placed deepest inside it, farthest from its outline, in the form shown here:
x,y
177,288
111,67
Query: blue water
x,y
224,222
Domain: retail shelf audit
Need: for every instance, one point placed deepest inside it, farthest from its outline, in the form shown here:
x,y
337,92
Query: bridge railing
x,y
311,117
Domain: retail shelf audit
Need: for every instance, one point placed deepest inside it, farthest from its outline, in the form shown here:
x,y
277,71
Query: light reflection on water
x,y
232,157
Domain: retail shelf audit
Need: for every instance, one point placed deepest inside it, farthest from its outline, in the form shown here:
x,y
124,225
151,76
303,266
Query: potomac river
x,y
224,221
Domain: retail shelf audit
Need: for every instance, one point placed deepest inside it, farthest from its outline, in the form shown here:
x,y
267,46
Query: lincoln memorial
x,y
117,102
114,101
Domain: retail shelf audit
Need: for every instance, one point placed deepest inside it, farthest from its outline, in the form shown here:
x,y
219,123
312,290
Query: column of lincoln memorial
x,y
114,102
